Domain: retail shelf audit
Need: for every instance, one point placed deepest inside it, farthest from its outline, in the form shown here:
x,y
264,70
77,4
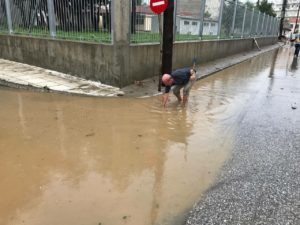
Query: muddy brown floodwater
x,y
69,160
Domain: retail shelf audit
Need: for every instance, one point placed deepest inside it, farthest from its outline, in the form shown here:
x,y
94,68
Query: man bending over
x,y
177,80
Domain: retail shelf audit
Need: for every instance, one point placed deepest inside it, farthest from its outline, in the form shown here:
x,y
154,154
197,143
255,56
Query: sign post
x,y
158,7
168,38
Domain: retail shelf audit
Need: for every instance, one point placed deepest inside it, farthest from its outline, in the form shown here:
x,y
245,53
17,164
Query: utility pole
x,y
167,48
284,3
297,18
133,16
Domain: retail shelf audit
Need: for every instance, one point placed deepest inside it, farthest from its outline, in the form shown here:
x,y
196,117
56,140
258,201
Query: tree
x,y
249,5
266,7
257,3
207,14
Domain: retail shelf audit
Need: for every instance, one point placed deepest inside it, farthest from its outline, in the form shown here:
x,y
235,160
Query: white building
x,y
291,8
191,25
186,23
290,12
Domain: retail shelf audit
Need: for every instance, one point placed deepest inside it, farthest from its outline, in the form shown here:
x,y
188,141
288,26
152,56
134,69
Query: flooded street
x,y
70,160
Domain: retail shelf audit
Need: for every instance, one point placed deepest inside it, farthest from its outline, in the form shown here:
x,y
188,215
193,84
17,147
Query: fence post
x,y
202,12
251,23
258,20
263,23
233,19
220,18
51,12
278,27
175,18
267,26
8,14
273,26
244,21
270,25
120,31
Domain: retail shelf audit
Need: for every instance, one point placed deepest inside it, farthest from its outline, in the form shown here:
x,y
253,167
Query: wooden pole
x,y
167,53
160,50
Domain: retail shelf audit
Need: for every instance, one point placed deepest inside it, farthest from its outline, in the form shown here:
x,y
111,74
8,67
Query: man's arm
x,y
165,99
165,96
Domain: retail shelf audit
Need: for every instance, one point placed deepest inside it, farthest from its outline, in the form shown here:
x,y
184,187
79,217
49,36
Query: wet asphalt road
x,y
260,183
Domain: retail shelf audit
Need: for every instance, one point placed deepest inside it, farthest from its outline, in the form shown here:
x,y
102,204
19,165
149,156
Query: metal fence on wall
x,y
203,20
3,17
85,20
90,20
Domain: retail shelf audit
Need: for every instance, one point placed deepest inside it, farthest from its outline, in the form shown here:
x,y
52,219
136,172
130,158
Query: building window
x,y
213,24
140,19
194,23
206,24
186,22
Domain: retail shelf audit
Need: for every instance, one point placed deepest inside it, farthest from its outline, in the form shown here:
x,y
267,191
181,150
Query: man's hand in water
x,y
165,98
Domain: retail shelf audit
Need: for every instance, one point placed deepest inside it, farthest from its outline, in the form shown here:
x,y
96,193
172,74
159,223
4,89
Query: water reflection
x,y
294,65
75,160
275,55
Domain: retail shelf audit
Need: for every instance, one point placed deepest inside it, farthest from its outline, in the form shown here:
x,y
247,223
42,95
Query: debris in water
x,y
90,134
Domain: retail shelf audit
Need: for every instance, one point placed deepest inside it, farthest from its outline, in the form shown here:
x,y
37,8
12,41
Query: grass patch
x,y
105,37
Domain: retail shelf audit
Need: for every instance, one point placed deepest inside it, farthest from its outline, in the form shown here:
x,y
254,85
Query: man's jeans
x,y
297,49
186,89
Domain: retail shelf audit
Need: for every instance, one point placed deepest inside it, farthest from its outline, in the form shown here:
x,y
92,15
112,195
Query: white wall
x,y
210,28
187,26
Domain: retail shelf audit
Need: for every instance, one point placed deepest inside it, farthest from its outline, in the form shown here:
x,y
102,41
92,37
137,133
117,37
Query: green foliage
x,y
138,2
266,7
207,14
249,5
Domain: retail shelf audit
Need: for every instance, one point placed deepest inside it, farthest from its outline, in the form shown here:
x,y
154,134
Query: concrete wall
x,y
86,60
145,59
119,64
205,51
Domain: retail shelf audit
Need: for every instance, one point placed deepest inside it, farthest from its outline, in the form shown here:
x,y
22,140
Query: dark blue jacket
x,y
180,77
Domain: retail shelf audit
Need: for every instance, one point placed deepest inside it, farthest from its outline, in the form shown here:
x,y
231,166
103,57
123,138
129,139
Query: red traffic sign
x,y
158,6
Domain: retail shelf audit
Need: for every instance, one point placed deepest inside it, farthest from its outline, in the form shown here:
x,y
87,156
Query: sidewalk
x,y
18,75
149,87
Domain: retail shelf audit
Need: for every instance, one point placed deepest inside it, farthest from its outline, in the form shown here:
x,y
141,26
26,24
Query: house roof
x,y
293,20
197,18
143,9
